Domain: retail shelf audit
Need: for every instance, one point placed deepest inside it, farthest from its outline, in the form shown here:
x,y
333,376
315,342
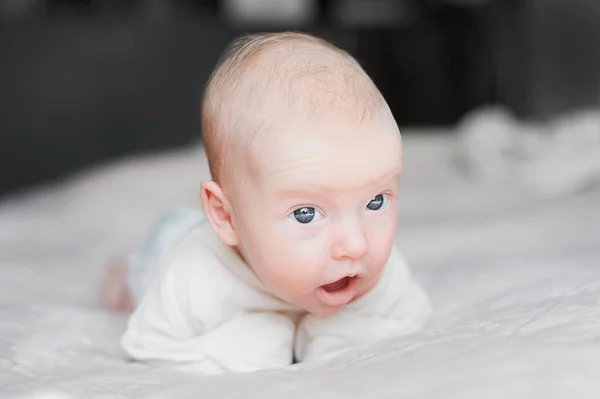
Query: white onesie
x,y
200,307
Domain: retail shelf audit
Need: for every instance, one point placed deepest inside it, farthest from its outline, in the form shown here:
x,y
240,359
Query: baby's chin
x,y
312,305
324,311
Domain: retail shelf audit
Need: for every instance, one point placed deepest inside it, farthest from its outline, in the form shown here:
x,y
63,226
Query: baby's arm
x,y
172,326
396,306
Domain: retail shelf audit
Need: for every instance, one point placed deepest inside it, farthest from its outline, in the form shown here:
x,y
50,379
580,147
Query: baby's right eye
x,y
306,214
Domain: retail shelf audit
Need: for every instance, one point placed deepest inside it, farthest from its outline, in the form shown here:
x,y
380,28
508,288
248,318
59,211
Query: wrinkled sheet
x,y
515,283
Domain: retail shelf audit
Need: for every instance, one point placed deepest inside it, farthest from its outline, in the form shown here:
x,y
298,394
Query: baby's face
x,y
316,219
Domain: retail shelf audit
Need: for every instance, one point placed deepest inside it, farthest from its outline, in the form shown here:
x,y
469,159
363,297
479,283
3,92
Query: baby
x,y
291,255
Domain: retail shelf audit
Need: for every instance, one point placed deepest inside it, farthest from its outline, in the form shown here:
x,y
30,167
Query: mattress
x,y
515,282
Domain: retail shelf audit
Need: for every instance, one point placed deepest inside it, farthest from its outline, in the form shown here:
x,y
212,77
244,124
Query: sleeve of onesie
x,y
178,323
396,306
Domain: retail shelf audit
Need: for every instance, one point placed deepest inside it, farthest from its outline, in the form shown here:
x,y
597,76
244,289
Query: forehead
x,y
328,153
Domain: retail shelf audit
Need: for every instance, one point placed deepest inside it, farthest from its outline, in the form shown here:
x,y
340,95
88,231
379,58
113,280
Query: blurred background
x,y
83,82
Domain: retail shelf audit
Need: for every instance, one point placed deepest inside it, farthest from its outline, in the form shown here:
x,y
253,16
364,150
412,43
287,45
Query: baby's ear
x,y
218,212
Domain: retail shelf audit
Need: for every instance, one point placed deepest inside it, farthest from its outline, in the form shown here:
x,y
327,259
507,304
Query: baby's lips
x,y
340,297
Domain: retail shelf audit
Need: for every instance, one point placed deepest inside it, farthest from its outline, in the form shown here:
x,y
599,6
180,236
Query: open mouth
x,y
339,292
337,285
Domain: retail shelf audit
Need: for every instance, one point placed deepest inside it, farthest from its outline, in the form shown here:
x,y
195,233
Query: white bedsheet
x,y
515,283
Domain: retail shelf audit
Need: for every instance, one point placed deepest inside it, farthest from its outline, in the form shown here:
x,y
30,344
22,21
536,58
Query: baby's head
x,y
306,158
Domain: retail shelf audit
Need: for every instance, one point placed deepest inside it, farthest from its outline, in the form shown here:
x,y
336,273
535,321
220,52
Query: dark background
x,y
83,82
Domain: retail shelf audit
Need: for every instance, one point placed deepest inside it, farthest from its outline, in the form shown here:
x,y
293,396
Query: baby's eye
x,y
306,215
378,202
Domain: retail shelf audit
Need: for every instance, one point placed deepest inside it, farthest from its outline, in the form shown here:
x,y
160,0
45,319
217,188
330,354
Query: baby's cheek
x,y
380,249
379,262
288,268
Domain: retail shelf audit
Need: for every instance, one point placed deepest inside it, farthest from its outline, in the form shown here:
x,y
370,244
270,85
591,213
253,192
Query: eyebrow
x,y
317,190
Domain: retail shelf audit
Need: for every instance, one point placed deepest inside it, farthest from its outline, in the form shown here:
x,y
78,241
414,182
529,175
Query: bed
x,y
515,282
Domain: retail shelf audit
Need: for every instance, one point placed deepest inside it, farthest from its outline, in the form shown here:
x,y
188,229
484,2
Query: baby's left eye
x,y
378,202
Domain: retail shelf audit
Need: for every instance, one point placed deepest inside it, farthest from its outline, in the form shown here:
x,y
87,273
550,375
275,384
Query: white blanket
x,y
515,283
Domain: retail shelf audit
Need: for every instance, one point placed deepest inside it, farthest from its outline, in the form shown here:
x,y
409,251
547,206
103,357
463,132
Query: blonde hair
x,y
261,75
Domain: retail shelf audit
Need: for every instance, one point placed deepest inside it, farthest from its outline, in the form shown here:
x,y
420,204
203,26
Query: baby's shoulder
x,y
194,278
211,274
200,258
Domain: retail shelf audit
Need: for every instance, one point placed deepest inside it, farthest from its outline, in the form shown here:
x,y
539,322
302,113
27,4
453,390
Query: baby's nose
x,y
351,242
